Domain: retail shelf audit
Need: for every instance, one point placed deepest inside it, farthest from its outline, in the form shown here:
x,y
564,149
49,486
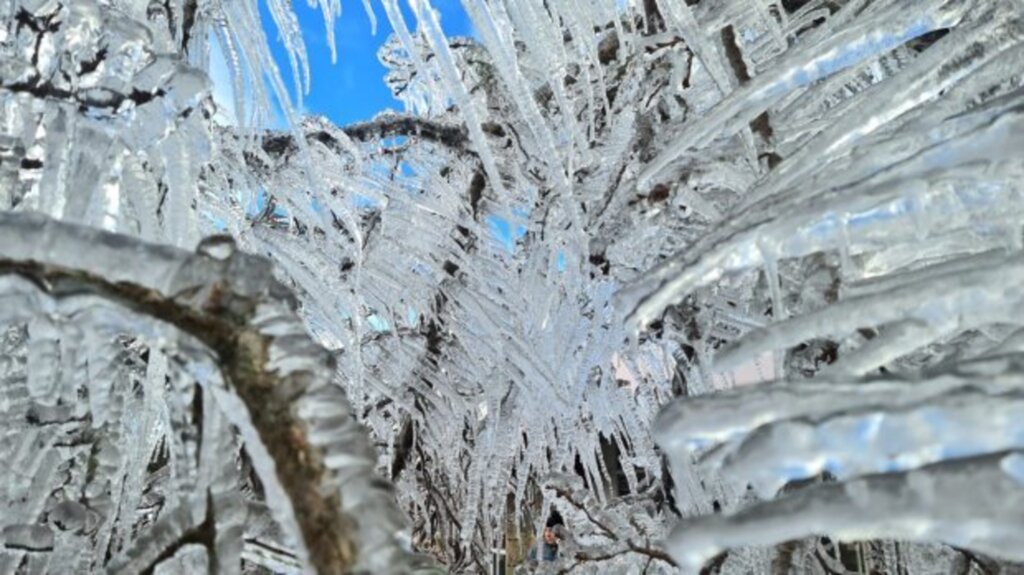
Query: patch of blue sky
x,y
395,141
1013,465
352,89
364,202
505,233
377,323
257,203
222,90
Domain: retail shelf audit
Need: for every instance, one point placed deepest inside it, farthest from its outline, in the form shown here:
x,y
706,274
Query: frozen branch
x,y
625,541
230,302
390,125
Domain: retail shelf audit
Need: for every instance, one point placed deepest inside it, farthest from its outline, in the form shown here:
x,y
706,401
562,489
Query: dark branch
x,y
565,494
630,546
391,125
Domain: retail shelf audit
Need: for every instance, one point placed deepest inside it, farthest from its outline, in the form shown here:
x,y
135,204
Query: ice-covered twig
x,y
623,535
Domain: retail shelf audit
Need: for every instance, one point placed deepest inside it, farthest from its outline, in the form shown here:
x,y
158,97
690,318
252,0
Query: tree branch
x,y
565,494
630,546
391,125
231,303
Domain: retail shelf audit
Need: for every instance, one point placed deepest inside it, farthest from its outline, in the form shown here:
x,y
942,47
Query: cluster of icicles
x,y
161,409
914,186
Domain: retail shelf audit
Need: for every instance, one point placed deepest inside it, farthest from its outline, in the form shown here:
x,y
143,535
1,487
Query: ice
x,y
885,30
922,188
806,213
887,186
453,86
938,503
28,537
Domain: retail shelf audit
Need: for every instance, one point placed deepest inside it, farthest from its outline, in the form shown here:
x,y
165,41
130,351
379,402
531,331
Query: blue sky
x,y
352,89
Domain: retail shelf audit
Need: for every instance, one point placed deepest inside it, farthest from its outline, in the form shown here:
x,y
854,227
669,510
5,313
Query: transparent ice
x,y
733,285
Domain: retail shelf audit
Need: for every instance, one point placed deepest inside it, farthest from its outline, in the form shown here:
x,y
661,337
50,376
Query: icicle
x,y
882,32
964,54
370,14
941,503
426,73
771,275
966,298
864,442
270,336
487,23
738,251
698,423
427,17
680,15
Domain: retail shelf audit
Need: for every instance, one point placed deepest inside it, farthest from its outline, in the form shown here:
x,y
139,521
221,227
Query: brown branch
x,y
565,494
436,492
582,558
282,144
714,565
630,546
224,300
655,21
652,552
242,353
391,125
